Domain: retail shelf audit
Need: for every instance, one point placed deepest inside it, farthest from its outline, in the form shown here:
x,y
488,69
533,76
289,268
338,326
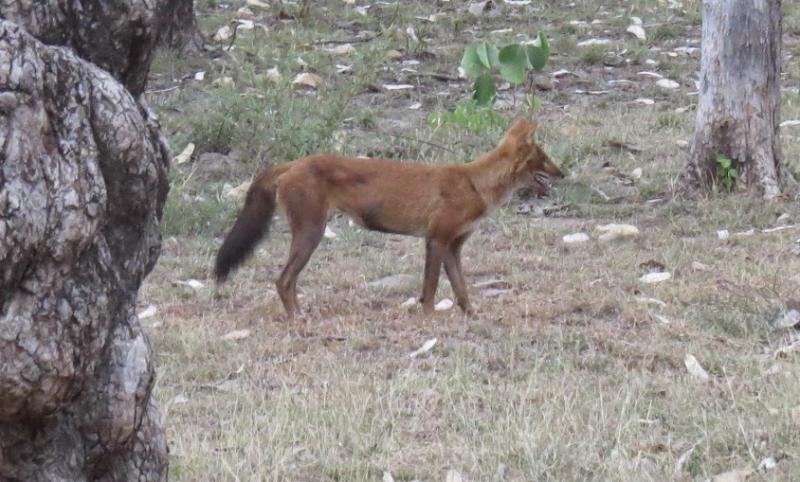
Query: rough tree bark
x,y
738,113
82,185
181,31
117,35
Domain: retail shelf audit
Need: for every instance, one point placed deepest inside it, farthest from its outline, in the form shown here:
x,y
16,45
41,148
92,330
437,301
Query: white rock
x,y
667,84
409,302
273,75
789,123
185,155
236,335
617,231
344,49
192,283
593,41
636,173
790,319
695,369
257,3
148,312
723,234
645,101
477,8
453,476
648,73
657,277
224,33
398,86
768,463
425,348
575,238
637,31
444,305
199,76
307,79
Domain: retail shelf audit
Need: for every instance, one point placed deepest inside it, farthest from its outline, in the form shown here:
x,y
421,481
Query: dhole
x,y
439,203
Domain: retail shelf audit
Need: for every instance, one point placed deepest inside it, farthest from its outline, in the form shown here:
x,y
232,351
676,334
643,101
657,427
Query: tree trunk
x,y
82,185
738,112
118,35
181,31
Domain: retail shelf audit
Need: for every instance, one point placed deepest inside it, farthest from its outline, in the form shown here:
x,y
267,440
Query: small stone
x,y
657,277
575,238
612,232
789,319
444,305
637,31
667,84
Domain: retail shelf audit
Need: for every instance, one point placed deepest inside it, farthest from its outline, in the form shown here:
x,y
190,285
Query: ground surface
x,y
572,368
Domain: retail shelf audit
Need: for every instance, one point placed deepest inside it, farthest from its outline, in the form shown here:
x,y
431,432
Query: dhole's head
x,y
532,167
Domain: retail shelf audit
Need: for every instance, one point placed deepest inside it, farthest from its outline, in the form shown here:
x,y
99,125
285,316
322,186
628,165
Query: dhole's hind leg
x,y
452,266
306,218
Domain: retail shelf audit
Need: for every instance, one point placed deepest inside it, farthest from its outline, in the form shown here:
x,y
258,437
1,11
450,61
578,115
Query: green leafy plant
x,y
727,172
468,115
481,61
513,61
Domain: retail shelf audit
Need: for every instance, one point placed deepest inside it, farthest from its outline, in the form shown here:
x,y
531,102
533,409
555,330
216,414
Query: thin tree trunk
x,y
181,31
738,112
82,186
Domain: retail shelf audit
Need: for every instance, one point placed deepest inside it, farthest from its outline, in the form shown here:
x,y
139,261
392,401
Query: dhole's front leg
x,y
435,251
452,266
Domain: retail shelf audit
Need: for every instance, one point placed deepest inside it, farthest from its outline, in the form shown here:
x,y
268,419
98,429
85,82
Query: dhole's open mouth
x,y
543,179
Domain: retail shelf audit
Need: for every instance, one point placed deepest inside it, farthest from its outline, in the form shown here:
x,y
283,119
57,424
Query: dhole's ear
x,y
521,130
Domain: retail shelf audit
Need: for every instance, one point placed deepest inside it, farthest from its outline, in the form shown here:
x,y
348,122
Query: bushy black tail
x,y
250,227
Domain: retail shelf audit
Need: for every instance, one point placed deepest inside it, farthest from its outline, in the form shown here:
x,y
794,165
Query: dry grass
x,y
570,376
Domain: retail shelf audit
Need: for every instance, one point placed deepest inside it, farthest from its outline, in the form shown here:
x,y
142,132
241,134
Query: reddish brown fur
x,y
440,203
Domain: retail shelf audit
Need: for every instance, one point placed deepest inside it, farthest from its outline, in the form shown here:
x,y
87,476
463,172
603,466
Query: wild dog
x,y
441,204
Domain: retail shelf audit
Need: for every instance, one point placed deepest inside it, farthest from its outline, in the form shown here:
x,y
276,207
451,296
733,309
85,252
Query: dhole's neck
x,y
493,176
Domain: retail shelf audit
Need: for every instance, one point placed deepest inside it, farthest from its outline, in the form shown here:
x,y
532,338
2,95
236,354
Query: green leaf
x,y
436,119
493,54
484,90
544,45
513,61
536,57
476,59
732,173
724,161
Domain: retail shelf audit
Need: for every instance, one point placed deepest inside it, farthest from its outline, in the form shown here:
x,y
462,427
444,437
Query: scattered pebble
x,y
612,232
444,305
575,238
667,84
789,319
637,31
657,277
695,369
425,348
593,41
236,335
